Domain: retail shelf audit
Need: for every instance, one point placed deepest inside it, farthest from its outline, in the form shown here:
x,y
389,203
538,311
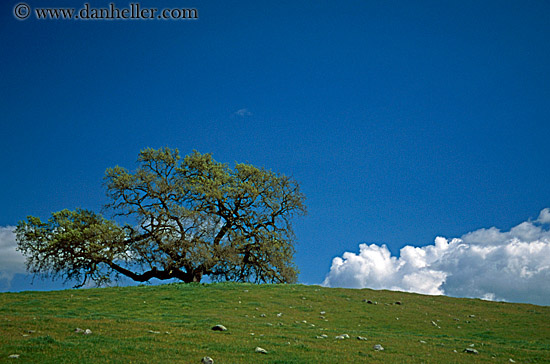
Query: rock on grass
x,y
260,350
219,328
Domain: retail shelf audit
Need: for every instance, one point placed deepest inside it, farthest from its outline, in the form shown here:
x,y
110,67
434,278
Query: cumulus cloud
x,y
487,263
12,262
544,217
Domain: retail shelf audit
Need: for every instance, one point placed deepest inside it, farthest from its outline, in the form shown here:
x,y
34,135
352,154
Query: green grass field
x,y
172,324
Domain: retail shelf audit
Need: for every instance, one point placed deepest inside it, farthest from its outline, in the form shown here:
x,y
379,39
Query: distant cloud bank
x,y
487,263
12,262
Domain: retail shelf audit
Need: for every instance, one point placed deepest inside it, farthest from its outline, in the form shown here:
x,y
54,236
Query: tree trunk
x,y
192,275
197,276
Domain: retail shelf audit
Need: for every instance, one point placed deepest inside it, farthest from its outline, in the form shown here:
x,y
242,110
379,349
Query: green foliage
x,y
171,324
187,218
71,244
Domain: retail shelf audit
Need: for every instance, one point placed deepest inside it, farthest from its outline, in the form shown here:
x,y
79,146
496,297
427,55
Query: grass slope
x,y
172,324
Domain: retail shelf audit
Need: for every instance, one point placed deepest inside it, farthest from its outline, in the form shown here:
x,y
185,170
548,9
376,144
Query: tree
x,y
185,219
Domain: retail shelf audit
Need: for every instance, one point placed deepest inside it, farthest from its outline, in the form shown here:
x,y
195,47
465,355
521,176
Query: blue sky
x,y
402,121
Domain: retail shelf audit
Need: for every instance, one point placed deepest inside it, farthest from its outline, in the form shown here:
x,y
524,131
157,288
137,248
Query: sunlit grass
x,y
172,324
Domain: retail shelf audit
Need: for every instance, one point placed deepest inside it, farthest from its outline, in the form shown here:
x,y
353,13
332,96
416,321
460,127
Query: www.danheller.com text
x,y
133,11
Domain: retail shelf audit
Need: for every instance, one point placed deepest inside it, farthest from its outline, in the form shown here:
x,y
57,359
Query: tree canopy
x,y
173,218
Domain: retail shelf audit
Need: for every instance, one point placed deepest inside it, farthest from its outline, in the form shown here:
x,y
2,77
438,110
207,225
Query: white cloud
x,y
11,261
243,112
486,263
544,217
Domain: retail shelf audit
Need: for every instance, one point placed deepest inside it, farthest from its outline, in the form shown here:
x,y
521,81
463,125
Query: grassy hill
x,y
294,323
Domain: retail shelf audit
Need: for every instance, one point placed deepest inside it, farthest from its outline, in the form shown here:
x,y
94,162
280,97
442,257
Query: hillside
x,y
293,323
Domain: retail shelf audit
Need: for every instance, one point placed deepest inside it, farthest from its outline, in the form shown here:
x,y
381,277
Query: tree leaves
x,y
185,218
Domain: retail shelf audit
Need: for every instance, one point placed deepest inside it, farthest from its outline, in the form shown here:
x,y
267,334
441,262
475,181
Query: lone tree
x,y
185,219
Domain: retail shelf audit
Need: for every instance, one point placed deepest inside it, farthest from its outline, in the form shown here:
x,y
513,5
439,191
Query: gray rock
x,y
219,328
471,351
207,360
260,350
78,330
378,347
